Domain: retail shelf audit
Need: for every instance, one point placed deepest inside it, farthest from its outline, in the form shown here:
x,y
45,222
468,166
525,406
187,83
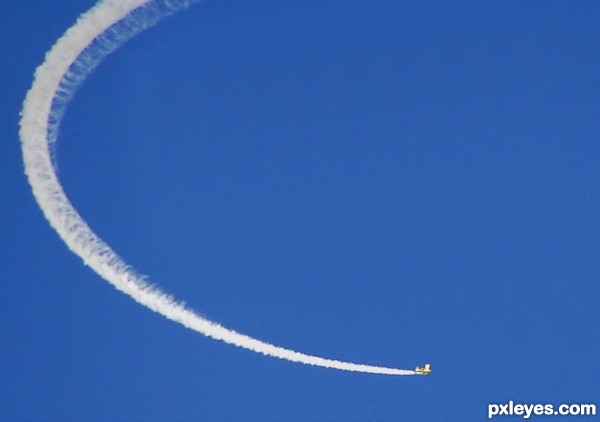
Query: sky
x,y
389,183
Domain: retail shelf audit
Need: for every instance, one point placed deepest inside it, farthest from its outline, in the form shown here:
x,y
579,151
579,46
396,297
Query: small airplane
x,y
426,370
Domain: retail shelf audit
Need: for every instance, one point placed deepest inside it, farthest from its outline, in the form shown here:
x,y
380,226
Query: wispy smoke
x,y
96,34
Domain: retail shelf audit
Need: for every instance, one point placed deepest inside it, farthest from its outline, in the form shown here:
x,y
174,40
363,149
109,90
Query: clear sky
x,y
389,183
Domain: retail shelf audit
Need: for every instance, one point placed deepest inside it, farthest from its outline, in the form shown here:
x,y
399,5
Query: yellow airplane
x,y
426,370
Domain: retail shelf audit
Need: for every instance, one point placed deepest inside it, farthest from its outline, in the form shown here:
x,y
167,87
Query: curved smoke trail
x,y
96,34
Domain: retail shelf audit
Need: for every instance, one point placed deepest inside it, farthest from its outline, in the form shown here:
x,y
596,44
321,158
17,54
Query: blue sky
x,y
390,183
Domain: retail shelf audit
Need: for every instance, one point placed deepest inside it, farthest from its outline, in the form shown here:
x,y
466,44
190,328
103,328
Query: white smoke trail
x,y
97,33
